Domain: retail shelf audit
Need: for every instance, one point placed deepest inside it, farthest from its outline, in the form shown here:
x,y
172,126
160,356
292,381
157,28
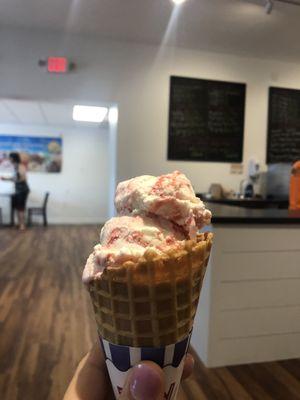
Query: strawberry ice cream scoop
x,y
126,238
170,196
157,213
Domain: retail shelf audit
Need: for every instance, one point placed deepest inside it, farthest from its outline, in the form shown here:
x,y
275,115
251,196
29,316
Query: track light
x,y
269,6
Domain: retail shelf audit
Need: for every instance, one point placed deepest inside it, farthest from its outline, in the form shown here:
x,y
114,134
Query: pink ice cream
x,y
170,196
125,238
157,213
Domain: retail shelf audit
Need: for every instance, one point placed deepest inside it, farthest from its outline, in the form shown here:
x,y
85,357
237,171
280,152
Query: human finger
x,y
145,381
188,366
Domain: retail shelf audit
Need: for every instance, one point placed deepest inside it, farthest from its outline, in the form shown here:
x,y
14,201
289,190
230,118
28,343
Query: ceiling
x,y
25,112
234,26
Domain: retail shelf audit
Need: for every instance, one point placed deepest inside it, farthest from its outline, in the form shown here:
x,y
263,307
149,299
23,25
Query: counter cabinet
x,y
249,308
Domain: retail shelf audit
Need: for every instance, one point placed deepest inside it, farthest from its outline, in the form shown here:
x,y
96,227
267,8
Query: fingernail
x,y
145,383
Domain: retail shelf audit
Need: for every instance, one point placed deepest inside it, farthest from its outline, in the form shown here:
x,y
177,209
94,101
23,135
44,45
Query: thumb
x,y
144,382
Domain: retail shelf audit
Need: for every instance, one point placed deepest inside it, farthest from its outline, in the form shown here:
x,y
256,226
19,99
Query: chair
x,y
39,211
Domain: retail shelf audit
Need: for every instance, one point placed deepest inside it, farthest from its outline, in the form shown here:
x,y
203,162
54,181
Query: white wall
x,y
79,194
136,77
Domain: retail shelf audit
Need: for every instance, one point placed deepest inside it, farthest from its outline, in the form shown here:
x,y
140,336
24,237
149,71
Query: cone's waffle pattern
x,y
153,302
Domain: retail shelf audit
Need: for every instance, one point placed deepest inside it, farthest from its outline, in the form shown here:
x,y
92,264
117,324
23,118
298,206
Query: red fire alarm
x,y
57,65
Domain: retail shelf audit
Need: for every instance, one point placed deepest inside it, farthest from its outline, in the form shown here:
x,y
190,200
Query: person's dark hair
x,y
15,157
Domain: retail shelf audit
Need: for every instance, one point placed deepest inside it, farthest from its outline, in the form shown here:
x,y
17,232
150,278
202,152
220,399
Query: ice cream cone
x,y
145,276
152,302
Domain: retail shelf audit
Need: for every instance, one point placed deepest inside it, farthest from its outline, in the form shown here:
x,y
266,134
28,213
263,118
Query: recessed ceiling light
x,y
89,113
177,2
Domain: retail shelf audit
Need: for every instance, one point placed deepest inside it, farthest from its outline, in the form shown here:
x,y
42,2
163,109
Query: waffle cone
x,y
153,302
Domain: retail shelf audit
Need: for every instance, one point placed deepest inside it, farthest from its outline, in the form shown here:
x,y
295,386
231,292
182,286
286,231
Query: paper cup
x,y
120,359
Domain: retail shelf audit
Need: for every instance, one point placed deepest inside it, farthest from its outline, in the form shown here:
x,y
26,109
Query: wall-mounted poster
x,y
39,154
206,120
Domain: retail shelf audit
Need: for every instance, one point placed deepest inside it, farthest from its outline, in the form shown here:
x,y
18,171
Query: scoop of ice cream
x,y
157,213
126,238
170,196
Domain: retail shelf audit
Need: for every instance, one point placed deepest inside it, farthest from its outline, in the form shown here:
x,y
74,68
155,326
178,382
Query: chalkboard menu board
x,y
284,126
206,120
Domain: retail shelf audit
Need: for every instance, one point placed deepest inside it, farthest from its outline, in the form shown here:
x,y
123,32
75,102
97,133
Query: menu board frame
x,y
289,157
212,149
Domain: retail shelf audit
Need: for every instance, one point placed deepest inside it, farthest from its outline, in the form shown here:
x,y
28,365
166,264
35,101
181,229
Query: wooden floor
x,y
46,325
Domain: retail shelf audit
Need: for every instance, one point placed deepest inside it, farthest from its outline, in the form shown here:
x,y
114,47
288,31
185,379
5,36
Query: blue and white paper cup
x,y
120,359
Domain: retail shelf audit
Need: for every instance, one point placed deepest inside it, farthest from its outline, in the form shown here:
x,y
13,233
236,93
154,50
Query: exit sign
x,y
57,65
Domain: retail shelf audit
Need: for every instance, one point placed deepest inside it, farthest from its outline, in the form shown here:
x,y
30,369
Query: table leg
x,y
12,222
